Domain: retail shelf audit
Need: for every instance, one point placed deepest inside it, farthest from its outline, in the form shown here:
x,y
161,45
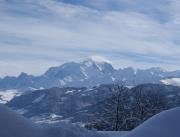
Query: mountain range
x,y
88,73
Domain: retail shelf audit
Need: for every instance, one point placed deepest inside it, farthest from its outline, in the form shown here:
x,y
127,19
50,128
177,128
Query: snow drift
x,y
14,125
165,124
64,129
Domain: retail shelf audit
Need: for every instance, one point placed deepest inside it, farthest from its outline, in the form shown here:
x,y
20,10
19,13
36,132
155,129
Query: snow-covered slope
x,y
113,133
165,124
8,95
171,81
64,129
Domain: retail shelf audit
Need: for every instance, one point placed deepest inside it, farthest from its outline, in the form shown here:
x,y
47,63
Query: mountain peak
x,y
23,74
98,59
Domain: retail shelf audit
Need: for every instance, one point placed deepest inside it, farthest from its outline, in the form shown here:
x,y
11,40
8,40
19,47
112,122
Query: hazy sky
x,y
37,34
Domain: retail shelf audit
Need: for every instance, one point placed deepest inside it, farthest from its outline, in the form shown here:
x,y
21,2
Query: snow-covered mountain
x,y
88,73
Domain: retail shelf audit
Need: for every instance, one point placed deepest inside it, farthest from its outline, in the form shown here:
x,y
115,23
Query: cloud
x,y
49,32
153,8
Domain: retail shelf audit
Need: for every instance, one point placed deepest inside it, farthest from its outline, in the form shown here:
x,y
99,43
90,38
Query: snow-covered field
x,y
113,133
7,95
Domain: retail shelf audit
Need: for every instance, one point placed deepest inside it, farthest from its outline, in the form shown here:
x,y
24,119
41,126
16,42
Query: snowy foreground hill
x,y
165,124
14,125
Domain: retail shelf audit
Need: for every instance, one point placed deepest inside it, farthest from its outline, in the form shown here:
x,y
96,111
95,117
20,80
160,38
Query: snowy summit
x,y
98,59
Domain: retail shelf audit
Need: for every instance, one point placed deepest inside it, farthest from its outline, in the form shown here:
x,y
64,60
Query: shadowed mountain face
x,y
60,103
83,105
88,73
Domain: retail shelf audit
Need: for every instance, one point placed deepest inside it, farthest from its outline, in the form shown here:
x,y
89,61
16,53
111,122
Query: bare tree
x,y
111,112
119,105
148,103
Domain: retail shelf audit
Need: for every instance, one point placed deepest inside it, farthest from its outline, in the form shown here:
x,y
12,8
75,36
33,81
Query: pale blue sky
x,y
37,34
